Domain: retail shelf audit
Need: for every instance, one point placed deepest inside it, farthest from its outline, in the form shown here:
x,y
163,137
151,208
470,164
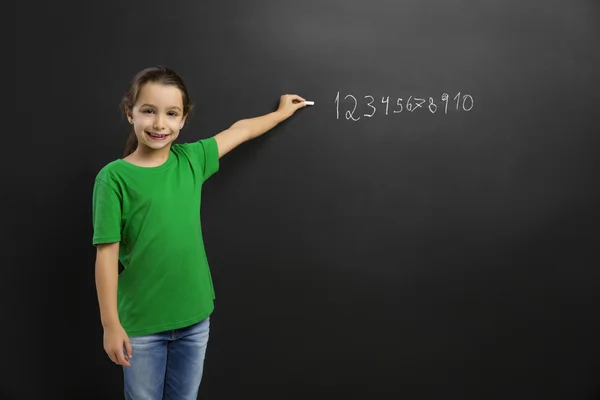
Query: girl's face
x,y
157,116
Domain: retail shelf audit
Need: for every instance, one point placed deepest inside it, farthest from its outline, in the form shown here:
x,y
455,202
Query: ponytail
x,y
131,144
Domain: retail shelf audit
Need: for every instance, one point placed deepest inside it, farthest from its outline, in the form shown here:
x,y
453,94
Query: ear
x,y
182,122
129,116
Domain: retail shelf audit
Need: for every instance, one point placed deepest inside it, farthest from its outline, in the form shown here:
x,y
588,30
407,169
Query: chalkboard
x,y
427,230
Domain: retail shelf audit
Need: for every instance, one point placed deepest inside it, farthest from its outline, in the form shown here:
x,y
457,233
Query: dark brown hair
x,y
159,74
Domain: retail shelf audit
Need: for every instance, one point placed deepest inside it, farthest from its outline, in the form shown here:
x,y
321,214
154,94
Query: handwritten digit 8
x,y
431,103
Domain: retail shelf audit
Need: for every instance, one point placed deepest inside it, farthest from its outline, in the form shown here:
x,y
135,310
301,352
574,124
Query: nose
x,y
158,123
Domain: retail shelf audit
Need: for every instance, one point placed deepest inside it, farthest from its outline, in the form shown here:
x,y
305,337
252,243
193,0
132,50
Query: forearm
x,y
250,128
254,127
107,278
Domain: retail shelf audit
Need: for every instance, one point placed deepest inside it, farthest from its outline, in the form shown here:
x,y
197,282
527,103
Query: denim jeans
x,y
167,365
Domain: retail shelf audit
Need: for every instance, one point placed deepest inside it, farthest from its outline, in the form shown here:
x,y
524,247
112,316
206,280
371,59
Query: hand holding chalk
x,y
289,103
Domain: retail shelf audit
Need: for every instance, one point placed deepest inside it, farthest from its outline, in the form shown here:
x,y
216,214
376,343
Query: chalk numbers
x,y
370,106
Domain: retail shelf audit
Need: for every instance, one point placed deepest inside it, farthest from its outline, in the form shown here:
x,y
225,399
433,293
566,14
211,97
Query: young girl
x,y
146,214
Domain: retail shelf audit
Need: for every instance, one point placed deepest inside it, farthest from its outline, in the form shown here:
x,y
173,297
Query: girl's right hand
x,y
115,341
289,104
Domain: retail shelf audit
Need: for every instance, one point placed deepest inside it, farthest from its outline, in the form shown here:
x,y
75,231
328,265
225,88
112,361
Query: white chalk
x,y
309,103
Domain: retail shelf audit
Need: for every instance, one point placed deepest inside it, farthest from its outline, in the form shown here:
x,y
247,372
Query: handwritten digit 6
x,y
409,105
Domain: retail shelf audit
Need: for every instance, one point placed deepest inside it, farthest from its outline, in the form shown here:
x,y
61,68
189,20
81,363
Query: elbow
x,y
242,130
241,124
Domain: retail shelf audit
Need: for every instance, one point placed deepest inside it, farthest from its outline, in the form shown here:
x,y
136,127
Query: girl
x,y
146,214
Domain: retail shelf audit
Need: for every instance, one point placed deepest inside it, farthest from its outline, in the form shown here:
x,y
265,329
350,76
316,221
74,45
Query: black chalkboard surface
x,y
428,229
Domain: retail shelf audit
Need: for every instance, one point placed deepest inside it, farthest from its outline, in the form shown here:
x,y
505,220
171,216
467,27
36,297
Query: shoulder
x,y
109,174
199,146
203,153
204,150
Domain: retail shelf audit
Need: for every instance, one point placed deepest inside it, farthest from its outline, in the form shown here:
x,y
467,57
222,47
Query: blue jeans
x,y
167,365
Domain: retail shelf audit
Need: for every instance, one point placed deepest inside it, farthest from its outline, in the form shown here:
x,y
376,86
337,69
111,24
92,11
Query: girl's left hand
x,y
289,103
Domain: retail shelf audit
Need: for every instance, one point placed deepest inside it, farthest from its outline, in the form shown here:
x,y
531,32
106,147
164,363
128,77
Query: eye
x,y
148,110
173,114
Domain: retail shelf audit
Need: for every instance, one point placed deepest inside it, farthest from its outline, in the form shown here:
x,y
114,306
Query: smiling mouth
x,y
156,136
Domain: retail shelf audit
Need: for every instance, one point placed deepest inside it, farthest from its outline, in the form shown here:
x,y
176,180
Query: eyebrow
x,y
150,105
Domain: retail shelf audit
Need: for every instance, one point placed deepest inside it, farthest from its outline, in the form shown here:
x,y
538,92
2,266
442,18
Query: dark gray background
x,y
414,255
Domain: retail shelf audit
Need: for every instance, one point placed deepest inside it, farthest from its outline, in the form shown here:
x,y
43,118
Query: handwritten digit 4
x,y
386,101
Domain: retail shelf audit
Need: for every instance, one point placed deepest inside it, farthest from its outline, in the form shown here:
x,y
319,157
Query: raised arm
x,y
247,129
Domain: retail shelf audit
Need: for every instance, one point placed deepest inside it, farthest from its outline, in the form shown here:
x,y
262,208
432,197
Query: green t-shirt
x,y
154,212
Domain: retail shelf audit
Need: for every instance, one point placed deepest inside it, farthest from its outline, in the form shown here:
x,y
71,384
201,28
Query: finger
x,y
121,359
298,104
115,358
301,103
296,98
128,348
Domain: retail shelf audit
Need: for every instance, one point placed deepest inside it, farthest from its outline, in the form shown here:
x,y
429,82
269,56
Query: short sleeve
x,y
208,154
106,213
